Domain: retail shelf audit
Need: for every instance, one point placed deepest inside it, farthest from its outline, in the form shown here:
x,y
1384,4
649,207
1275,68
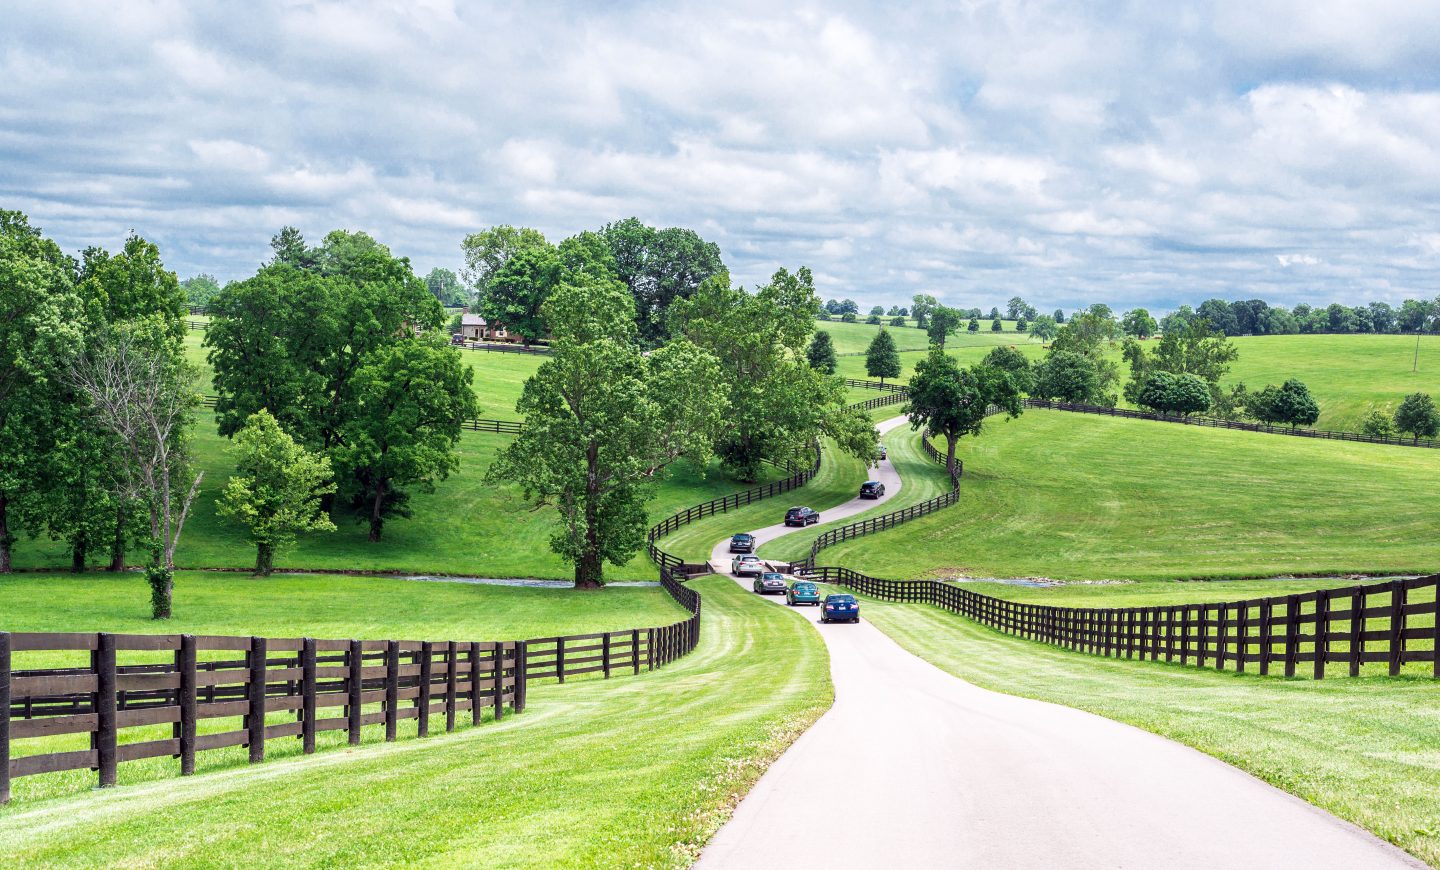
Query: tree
x,y
943,323
973,325
1138,323
873,320
1167,393
996,326
1290,403
1021,325
1043,328
276,489
848,306
848,317
200,289
893,312
517,292
1010,360
139,388
1418,416
776,404
921,306
1194,348
994,314
1220,316
878,310
446,287
39,331
1059,317
487,251
1016,308
946,400
897,322
1069,376
659,266
903,312
882,360
821,352
1378,424
132,285
288,248
602,420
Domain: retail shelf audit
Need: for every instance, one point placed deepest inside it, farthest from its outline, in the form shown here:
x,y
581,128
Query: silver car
x,y
747,563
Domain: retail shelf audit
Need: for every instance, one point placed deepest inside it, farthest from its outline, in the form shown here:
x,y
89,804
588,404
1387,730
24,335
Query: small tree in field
x,y
1289,403
881,359
1167,393
821,352
974,325
948,400
276,489
1378,424
996,325
1418,416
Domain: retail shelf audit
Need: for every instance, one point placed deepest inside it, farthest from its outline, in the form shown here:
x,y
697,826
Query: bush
x,y
848,317
995,325
974,325
1021,325
897,321
1378,424
873,320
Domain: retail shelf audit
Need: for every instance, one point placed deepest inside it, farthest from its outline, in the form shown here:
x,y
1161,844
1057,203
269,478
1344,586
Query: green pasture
x,y
1365,749
634,771
1078,497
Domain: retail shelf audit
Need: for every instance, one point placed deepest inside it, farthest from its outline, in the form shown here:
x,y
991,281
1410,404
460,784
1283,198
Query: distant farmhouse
x,y
474,328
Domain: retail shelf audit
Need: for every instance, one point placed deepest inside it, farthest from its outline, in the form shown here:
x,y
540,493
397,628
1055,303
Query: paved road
x,y
912,767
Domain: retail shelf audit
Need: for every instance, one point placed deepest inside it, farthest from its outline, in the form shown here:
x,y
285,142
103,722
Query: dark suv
x,y
742,543
872,489
801,516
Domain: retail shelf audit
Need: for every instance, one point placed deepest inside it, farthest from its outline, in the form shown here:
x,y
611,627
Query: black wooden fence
x,y
504,427
1386,623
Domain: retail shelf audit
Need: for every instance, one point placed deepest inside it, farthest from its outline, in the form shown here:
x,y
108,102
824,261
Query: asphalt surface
x,y
913,767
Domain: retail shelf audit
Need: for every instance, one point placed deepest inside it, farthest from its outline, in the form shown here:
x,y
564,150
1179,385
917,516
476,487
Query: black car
x,y
742,543
872,489
801,516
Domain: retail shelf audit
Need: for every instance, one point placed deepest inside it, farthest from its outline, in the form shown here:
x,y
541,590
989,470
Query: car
x,y
748,563
742,543
802,592
769,582
840,608
801,516
872,489
881,454
457,338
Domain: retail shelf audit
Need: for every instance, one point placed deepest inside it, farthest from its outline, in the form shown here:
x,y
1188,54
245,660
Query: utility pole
x,y
1415,366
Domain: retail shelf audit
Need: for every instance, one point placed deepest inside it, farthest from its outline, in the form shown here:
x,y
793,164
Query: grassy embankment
x,y
1365,749
1085,498
638,771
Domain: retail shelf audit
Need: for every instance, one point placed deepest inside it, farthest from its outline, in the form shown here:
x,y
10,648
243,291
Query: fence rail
x,y
481,424
876,385
1377,623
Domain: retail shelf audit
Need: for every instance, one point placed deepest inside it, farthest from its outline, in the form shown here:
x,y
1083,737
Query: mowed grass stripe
x,y
1365,749
1079,497
638,771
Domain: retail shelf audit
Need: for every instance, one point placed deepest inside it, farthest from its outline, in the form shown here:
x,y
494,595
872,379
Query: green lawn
x,y
965,347
465,527
1365,749
837,481
1078,497
637,771
923,478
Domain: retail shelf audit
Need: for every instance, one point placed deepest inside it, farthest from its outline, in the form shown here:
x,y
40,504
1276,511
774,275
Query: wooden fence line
x,y
1353,626
478,424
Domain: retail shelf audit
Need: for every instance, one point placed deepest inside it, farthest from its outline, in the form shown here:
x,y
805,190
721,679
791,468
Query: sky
x,y
1132,153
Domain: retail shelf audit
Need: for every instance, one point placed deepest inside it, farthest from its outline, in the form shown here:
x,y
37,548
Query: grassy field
x,y
1085,498
464,527
837,482
965,347
923,479
1365,749
637,771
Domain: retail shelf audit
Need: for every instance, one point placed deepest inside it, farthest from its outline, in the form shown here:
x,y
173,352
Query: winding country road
x,y
913,767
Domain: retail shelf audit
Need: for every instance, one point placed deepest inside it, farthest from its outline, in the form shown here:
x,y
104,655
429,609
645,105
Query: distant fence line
x,y
490,346
474,424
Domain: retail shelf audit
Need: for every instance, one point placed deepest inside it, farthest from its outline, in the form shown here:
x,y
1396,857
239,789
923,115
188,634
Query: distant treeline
x,y
1257,317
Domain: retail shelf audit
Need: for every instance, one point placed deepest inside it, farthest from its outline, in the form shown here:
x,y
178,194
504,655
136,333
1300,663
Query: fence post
x,y
1434,636
355,685
187,704
1322,632
498,672
105,729
1357,630
392,687
4,717
473,654
650,649
1266,607
1397,625
605,655
1292,633
450,666
560,658
422,703
635,648
255,692
522,676
307,694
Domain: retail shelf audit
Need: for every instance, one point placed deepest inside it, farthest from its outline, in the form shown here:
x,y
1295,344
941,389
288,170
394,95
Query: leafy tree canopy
x,y
821,352
952,402
882,360
1418,416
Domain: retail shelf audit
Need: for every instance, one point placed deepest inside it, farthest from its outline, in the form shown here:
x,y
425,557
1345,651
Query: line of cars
x,y
834,608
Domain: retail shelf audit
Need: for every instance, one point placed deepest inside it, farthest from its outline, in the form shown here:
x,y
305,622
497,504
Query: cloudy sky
x,y
1133,153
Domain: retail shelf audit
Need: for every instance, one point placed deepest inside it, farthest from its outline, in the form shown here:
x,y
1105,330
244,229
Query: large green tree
x,y
445,286
487,251
953,402
920,307
882,360
1289,404
1068,376
276,489
821,353
944,320
1085,335
659,266
1167,393
777,404
1418,416
410,401
602,419
200,289
1193,348
517,292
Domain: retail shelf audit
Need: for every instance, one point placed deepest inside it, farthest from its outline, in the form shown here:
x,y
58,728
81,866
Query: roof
x,y
471,320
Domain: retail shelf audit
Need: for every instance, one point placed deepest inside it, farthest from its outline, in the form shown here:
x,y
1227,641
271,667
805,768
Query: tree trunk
x,y
589,571
162,587
950,454
77,554
377,520
6,539
265,559
117,546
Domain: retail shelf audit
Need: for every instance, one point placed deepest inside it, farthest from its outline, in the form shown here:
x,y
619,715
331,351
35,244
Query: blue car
x,y
840,608
803,592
